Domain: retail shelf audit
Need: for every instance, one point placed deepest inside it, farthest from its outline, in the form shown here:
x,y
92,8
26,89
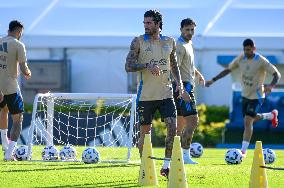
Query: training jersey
x,y
253,73
12,52
185,59
155,52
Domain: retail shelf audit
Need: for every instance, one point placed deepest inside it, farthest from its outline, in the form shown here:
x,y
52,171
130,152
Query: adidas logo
x,y
148,49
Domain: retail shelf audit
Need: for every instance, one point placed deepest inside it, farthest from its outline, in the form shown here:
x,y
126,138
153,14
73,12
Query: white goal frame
x,y
77,96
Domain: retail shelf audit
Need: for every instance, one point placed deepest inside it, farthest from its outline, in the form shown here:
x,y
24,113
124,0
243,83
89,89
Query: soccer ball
x,y
21,153
196,150
269,156
233,156
49,153
91,155
68,153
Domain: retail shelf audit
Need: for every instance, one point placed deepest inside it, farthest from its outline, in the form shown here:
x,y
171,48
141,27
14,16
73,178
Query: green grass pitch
x,y
211,172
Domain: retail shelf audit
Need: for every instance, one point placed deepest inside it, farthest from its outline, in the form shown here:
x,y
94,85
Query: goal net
x,y
101,120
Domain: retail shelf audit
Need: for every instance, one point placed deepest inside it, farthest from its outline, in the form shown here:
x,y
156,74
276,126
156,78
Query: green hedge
x,y
212,120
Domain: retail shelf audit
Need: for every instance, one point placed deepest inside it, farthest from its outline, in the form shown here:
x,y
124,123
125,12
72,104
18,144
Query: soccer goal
x,y
102,120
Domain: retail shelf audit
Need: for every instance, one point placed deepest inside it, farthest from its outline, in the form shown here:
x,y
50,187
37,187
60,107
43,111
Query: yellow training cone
x,y
258,177
177,176
147,175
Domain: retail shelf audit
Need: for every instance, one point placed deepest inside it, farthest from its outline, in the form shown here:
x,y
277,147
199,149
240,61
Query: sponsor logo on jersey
x,y
3,66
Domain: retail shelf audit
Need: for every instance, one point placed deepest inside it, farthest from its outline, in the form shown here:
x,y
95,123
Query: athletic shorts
x,y
250,106
185,108
147,109
14,102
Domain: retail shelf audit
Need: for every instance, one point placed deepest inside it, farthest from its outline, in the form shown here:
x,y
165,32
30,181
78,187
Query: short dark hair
x,y
156,15
248,42
186,22
15,24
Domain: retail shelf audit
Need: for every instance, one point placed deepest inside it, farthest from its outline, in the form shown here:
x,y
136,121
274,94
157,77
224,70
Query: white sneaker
x,y
188,160
4,148
13,158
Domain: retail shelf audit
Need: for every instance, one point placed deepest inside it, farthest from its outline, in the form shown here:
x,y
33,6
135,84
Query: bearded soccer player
x,y
12,55
253,68
153,56
187,119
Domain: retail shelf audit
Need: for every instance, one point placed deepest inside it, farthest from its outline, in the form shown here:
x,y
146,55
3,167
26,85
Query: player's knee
x,y
188,132
17,118
179,133
171,124
4,110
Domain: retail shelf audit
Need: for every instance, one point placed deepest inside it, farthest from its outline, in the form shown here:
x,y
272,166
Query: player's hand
x,y
267,90
1,96
208,83
201,81
154,69
185,96
28,76
177,87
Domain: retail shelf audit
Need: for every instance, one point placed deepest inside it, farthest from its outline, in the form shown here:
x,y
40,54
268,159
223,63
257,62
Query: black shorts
x,y
185,108
147,109
14,102
250,106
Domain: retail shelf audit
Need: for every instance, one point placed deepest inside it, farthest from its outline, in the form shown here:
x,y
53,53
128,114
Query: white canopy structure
x,y
95,35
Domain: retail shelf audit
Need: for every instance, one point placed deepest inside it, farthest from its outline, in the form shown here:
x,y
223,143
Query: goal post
x,y
102,120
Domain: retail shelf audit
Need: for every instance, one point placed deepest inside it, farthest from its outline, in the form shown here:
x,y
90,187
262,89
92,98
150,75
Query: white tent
x,y
95,35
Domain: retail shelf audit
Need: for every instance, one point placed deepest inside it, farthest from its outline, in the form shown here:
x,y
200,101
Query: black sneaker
x,y
165,172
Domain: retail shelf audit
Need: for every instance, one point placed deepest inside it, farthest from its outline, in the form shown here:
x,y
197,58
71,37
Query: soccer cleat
x,y
188,160
165,172
274,120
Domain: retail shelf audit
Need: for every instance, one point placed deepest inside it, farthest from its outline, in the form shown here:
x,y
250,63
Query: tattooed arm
x,y
131,64
222,74
275,80
25,70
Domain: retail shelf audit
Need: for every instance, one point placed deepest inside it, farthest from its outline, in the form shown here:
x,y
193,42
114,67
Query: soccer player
x,y
153,56
253,68
12,54
187,119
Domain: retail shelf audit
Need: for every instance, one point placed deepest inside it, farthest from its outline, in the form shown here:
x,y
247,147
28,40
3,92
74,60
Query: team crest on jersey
x,y
166,47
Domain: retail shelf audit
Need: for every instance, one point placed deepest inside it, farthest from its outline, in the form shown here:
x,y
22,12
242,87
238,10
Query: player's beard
x,y
150,32
249,55
187,37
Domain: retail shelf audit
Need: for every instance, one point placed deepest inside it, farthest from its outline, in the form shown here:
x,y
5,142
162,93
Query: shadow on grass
x,y
219,164
114,184
80,166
